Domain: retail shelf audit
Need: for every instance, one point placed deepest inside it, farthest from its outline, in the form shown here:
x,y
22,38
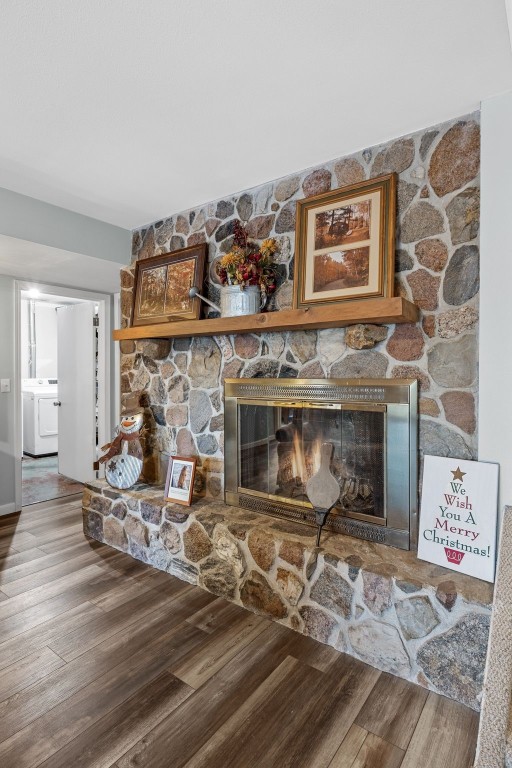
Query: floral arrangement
x,y
247,263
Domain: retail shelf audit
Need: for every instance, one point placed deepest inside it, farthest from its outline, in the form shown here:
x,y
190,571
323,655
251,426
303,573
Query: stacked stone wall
x,y
437,267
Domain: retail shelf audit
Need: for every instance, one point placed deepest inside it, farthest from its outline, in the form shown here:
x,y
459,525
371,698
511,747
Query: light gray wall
x,y
7,409
495,363
29,219
34,221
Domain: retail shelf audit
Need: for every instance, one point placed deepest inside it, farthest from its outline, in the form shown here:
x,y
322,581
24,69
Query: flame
x,y
298,468
306,463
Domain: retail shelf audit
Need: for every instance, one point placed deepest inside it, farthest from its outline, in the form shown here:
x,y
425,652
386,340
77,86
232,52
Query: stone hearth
x,y
416,620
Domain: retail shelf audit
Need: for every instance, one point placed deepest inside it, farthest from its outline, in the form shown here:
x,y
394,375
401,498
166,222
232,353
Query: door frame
x,y
105,312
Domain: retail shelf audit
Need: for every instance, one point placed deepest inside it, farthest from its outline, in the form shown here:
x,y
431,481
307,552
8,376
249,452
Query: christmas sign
x,y
458,515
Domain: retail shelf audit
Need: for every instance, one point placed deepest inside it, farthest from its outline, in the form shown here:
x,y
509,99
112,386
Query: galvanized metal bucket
x,y
235,300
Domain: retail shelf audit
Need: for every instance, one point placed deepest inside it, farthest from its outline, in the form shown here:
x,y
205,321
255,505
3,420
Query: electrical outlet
x,y
5,385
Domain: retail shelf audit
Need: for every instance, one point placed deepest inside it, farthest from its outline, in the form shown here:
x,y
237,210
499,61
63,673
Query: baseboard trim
x,y
39,455
8,509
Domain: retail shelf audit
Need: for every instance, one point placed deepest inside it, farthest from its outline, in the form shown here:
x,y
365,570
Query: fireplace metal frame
x,y
399,397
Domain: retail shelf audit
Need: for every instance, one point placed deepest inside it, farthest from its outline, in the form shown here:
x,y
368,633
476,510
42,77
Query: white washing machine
x,y
40,416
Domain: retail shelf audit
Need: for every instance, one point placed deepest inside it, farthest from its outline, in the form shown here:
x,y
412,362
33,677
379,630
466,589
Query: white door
x,y
76,373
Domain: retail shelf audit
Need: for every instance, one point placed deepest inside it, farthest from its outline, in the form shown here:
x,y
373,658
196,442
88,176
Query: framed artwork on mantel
x,y
345,243
162,284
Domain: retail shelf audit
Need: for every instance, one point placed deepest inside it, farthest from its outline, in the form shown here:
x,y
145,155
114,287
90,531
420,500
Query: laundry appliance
x,y
40,416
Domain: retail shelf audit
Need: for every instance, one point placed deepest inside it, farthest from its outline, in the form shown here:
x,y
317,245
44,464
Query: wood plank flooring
x,y
107,663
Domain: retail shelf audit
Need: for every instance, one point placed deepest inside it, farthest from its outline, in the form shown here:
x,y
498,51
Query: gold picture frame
x,y
345,243
179,483
162,284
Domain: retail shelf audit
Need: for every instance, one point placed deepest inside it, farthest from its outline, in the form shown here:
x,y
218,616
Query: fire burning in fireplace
x,y
274,433
297,462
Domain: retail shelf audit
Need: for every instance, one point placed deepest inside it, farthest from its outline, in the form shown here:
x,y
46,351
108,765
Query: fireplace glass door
x,y
279,450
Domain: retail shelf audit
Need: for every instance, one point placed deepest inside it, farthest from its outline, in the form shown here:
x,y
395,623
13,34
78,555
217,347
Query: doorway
x,y
64,393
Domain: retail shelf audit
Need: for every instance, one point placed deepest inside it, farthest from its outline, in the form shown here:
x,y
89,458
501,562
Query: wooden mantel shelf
x,y
380,311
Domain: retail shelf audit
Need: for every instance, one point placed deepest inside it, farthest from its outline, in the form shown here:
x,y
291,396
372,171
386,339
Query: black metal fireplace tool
x,y
322,489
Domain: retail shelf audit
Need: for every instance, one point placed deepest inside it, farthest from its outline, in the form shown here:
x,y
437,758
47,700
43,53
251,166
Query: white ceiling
x,y
129,110
40,264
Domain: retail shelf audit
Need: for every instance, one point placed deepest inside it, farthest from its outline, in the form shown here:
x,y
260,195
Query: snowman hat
x,y
130,403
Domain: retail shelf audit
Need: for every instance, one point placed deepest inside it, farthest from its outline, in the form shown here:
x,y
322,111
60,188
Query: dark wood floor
x,y
107,662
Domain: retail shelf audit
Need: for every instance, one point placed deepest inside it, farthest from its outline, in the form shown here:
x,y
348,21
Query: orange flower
x,y
231,259
268,246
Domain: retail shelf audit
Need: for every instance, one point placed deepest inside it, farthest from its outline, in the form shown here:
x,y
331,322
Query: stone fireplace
x,y
377,603
436,267
273,433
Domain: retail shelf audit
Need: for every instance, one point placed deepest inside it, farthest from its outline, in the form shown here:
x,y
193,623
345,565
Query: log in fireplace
x,y
274,430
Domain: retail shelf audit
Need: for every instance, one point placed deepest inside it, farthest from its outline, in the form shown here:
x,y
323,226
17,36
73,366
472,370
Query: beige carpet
x,y
494,748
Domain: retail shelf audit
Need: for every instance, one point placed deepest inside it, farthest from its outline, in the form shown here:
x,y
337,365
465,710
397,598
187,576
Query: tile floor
x,y
41,480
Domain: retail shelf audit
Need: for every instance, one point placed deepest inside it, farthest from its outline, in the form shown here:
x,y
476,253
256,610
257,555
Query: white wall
x,y
24,339
46,339
495,395
7,402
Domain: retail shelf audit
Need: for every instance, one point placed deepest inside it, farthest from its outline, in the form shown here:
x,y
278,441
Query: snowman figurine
x,y
124,457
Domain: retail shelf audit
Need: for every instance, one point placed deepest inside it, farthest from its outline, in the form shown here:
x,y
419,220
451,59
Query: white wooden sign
x,y
458,515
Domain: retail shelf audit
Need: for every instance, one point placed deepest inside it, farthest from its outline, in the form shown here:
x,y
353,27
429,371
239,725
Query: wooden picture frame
x,y
345,243
179,483
162,284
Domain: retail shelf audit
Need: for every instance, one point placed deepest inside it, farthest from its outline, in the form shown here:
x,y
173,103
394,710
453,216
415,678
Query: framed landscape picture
x,y
345,243
162,284
179,483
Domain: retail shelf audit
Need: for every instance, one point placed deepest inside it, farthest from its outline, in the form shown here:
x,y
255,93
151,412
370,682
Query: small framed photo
x,y
162,284
179,483
345,243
